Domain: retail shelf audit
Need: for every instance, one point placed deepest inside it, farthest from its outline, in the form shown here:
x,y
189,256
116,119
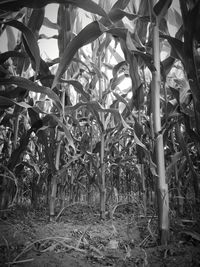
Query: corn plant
x,y
73,123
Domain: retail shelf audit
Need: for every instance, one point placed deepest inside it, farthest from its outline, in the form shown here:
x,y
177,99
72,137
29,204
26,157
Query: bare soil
x,y
79,238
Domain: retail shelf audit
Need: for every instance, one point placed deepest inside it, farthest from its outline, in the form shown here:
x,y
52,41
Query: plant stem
x,y
102,164
162,186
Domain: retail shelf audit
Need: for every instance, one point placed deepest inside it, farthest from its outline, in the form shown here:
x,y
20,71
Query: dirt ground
x,y
79,238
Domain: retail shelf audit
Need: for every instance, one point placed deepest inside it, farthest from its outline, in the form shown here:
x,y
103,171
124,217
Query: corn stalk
x,y
162,186
102,163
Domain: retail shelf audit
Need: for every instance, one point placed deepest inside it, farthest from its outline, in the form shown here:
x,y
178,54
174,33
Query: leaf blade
x,y
31,86
30,40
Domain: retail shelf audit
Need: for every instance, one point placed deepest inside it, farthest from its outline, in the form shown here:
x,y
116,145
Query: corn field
x,y
112,118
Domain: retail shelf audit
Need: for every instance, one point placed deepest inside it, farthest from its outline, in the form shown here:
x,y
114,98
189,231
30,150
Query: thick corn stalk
x,y
162,186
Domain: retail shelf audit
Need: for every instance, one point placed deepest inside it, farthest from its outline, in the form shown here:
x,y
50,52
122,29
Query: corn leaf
x,y
177,46
5,103
6,55
65,129
79,88
122,4
49,24
30,40
90,33
88,5
31,86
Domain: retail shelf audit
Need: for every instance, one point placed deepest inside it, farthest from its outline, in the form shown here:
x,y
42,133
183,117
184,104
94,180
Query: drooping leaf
x,y
118,32
49,24
90,33
139,143
146,57
66,130
118,14
44,36
24,140
36,20
42,137
15,5
116,81
166,65
174,18
6,103
97,71
118,67
83,63
6,55
95,106
176,45
121,99
131,42
153,167
122,4
78,87
88,5
115,54
161,7
30,40
31,86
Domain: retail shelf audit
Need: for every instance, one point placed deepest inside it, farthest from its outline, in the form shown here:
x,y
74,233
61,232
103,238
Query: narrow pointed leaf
x,y
88,5
36,20
118,67
121,99
31,86
30,40
6,55
66,130
116,81
122,4
15,5
6,103
49,24
161,7
90,33
177,46
83,104
95,106
79,88
81,62
147,152
118,14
